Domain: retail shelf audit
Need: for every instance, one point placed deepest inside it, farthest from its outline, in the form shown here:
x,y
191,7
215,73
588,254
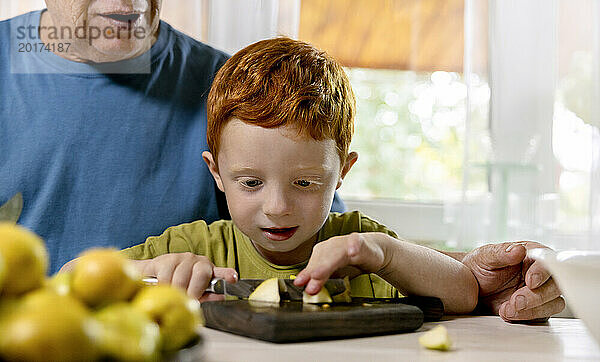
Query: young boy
x,y
280,121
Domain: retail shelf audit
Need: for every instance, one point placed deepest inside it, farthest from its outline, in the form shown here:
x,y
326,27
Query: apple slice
x,y
321,297
346,296
267,291
437,338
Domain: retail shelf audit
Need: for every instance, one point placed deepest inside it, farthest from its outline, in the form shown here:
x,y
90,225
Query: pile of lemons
x,y
100,310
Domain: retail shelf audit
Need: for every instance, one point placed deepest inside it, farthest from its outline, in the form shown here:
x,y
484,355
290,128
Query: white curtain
x,y
11,8
225,24
233,24
230,25
544,143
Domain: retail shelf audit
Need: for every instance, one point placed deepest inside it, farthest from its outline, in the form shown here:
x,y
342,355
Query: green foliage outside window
x,y
410,135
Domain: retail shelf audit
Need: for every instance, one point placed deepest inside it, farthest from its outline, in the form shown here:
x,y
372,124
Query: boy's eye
x,y
252,183
303,183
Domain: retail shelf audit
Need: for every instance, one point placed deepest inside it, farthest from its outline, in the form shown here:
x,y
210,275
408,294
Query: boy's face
x,y
279,186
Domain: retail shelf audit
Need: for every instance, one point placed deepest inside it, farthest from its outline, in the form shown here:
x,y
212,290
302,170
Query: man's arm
x,y
456,255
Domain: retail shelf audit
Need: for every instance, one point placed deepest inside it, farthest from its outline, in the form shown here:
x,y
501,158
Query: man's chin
x,y
117,50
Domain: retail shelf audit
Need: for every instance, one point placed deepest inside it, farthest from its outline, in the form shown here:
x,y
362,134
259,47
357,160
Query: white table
x,y
475,339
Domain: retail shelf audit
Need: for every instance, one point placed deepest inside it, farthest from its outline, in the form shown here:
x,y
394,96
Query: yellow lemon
x,y
104,276
177,315
128,334
46,326
25,259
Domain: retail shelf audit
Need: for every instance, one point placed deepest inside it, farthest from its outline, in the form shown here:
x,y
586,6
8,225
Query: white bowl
x,y
577,274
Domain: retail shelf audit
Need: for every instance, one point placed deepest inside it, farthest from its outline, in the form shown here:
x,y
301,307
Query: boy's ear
x,y
212,167
350,161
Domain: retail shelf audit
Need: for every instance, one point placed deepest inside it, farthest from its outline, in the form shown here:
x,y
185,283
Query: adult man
x,y
101,124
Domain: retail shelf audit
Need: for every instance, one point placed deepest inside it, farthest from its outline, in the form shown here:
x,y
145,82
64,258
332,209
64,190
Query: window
x,y
476,119
507,148
404,59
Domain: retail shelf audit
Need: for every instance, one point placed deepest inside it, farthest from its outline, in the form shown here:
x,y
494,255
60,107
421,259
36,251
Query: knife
x,y
244,287
11,210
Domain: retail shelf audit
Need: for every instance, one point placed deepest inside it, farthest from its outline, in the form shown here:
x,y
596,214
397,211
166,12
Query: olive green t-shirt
x,y
226,246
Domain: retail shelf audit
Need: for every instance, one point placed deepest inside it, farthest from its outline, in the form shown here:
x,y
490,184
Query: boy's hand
x,y
349,255
187,271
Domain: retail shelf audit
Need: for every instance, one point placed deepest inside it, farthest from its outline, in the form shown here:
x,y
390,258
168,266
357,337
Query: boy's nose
x,y
276,204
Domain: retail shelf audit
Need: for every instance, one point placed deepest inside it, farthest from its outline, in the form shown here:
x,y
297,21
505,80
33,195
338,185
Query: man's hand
x,y
187,271
512,285
349,255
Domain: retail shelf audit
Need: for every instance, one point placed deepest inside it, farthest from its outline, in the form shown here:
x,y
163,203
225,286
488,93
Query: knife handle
x,y
215,285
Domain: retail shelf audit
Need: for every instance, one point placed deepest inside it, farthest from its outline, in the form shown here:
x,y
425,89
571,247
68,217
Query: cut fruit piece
x,y
321,297
344,297
267,291
437,338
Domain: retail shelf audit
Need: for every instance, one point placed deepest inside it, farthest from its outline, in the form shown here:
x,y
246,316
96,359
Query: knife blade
x,y
244,287
11,210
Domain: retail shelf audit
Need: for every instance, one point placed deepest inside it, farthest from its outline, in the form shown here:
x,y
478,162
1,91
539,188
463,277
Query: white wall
x,y
11,8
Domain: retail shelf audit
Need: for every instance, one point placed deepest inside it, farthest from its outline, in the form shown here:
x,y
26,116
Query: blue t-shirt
x,y
106,159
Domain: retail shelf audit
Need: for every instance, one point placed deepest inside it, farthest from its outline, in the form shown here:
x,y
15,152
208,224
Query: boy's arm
x,y
411,268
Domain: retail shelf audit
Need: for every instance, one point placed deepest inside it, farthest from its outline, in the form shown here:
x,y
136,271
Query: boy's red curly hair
x,y
281,81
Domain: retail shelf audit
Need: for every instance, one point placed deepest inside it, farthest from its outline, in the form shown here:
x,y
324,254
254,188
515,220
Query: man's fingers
x,y
532,314
496,256
494,302
536,275
525,298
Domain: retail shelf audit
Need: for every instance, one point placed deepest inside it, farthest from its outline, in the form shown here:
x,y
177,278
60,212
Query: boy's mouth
x,y
279,234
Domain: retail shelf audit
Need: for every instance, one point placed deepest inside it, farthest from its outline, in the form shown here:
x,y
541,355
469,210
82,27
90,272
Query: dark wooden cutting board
x,y
294,321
